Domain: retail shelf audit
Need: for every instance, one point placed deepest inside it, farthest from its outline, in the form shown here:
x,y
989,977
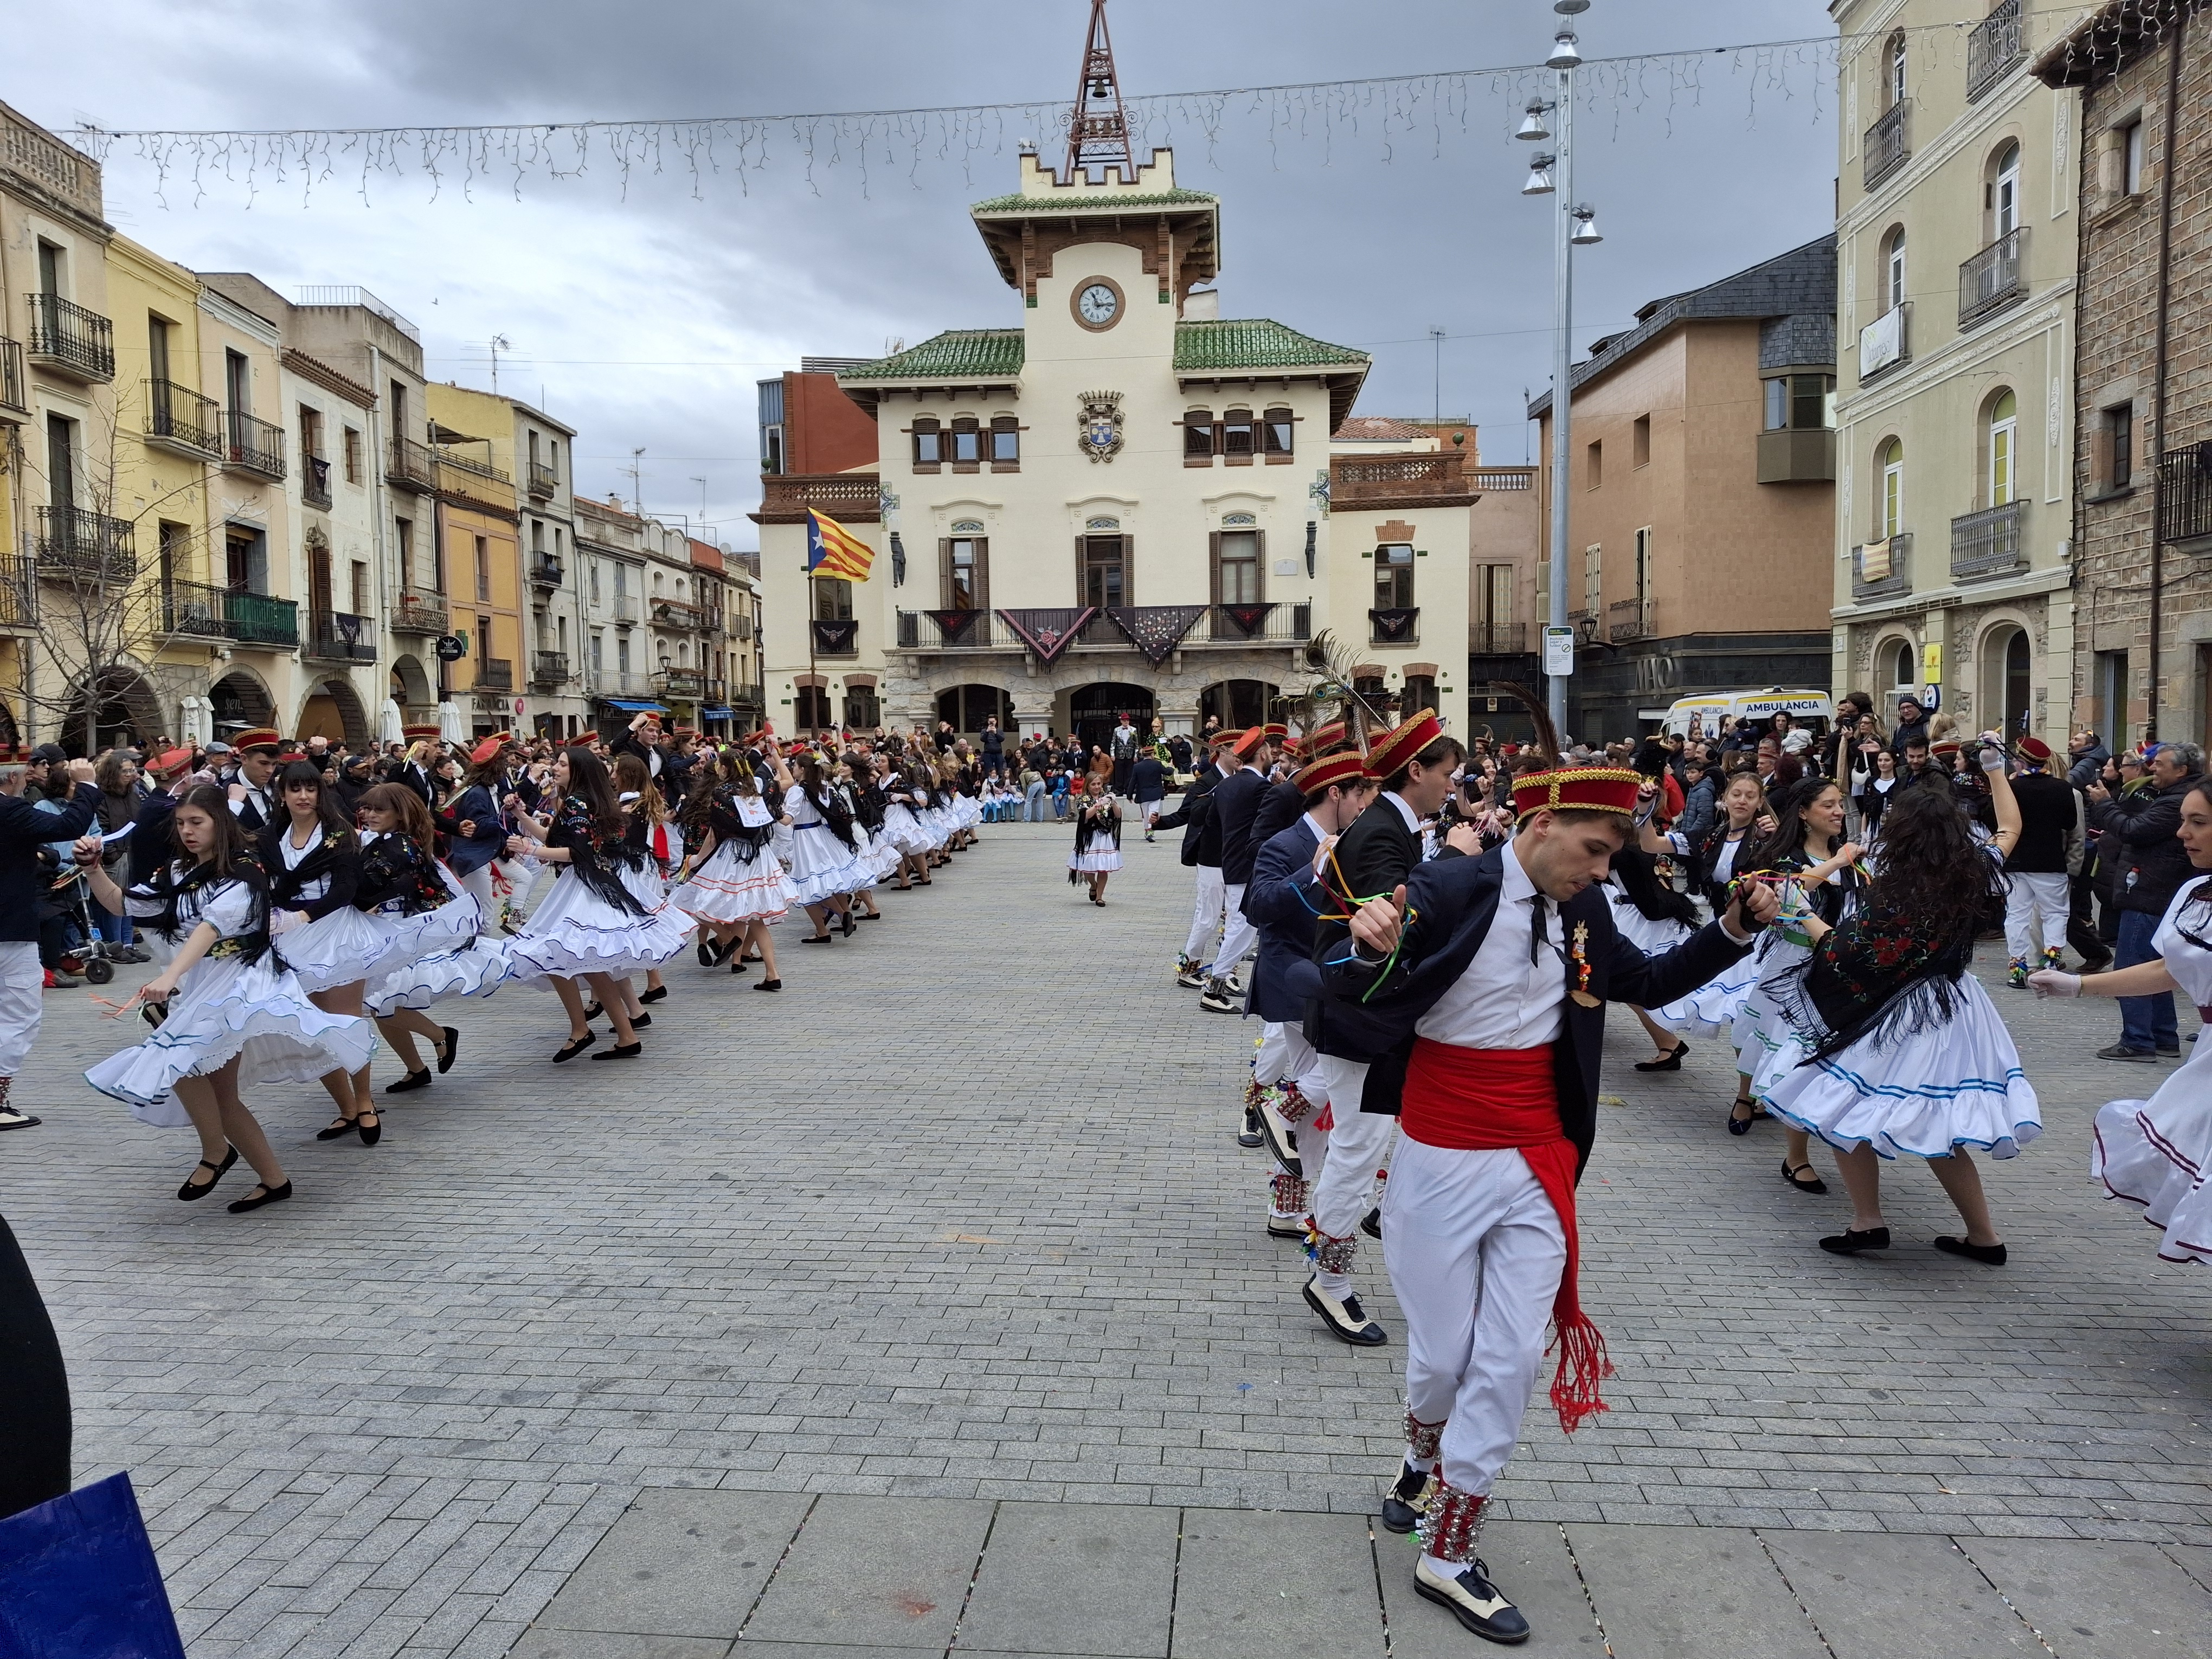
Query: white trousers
x,y
2030,895
1343,1162
1238,936
1474,1251
22,982
1204,914
478,884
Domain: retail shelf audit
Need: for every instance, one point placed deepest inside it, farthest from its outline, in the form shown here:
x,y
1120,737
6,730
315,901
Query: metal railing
x,y
2185,496
1283,624
340,636
744,694
619,683
1892,568
69,337
470,463
680,681
410,465
495,674
178,417
1497,639
72,542
260,619
1885,148
254,445
1990,543
1994,278
12,382
329,294
623,607
1627,619
195,611
546,573
544,480
19,592
748,561
550,668
1995,45
678,613
419,611
315,481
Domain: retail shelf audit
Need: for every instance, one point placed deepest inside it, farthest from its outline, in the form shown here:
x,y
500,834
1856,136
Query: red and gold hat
x,y
1323,739
1578,789
419,733
168,762
1248,742
488,747
1394,750
2034,750
1277,732
261,737
1220,738
1946,750
1344,768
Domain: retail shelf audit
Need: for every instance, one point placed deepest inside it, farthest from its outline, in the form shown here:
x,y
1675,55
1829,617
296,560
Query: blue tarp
x,y
631,706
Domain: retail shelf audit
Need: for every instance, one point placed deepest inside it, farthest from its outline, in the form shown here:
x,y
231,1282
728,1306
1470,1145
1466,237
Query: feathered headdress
x,y
1331,696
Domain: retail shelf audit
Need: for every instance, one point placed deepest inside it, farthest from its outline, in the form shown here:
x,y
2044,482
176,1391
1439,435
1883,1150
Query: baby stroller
x,y
66,904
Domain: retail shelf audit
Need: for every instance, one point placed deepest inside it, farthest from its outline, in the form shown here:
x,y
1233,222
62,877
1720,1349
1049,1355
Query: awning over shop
x,y
632,706
716,714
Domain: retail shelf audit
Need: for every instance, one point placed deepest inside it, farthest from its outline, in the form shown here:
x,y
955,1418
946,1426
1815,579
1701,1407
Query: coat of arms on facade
x,y
1098,428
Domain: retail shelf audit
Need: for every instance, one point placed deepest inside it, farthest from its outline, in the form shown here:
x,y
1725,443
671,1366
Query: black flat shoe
x,y
768,985
1741,1126
722,951
254,1200
593,1011
370,1132
741,965
815,938
1789,1174
448,1048
1403,1503
640,1021
1672,1062
406,1085
622,1051
871,915
193,1189
706,953
1250,1135
654,994
1371,1223
340,1128
848,924
1851,1241
576,1046
1989,1256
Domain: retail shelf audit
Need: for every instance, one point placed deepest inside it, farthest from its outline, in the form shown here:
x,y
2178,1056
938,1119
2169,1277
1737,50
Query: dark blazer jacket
x,y
1375,855
1236,800
23,830
1280,806
475,805
1283,977
1201,829
1456,899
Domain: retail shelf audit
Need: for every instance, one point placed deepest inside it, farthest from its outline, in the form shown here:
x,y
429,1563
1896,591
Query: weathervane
x,y
1098,127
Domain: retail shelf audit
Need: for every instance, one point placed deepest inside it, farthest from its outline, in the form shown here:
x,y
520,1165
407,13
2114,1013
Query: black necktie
x,y
1536,939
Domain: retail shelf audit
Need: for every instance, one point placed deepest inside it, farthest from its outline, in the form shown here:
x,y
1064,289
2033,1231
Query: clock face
x,y
1097,303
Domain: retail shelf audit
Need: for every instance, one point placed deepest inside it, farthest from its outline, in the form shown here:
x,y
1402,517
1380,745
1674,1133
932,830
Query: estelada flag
x,y
834,550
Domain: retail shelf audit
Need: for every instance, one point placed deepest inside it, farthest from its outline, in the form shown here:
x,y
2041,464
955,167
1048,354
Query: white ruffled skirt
x,y
725,890
822,867
426,933
339,949
1767,1047
904,831
1711,1010
475,968
1957,1083
2158,1153
224,1007
1652,938
575,932
1099,854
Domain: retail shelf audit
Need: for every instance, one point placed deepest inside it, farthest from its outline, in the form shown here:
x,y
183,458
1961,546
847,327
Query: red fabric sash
x,y
1496,1099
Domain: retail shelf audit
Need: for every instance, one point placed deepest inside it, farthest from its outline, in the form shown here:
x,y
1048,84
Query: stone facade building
x,y
2142,376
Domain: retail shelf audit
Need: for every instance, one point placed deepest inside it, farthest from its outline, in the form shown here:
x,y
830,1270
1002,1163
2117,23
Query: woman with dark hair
x,y
591,925
825,854
902,799
2156,1152
1098,852
736,886
1713,860
121,796
232,1012
1654,918
653,848
431,925
1904,1051
849,778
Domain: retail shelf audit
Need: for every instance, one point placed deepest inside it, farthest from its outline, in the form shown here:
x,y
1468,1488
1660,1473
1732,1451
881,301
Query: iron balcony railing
x,y
544,572
985,630
544,480
19,592
470,463
1497,639
2184,497
1379,632
495,674
619,683
315,481
1995,45
680,681
338,636
179,418
12,383
744,695
410,465
550,668
419,611
75,544
1885,148
624,607
1882,569
259,619
1627,619
71,339
254,445
1283,624
1990,543
1994,278
677,614
195,611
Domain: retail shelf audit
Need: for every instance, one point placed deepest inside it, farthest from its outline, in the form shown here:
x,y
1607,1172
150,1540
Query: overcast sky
x,y
643,315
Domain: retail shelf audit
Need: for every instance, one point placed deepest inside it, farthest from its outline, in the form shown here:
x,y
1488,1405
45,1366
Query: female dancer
x,y
867,824
736,887
1905,1052
1806,845
232,1007
591,925
1654,918
1098,852
313,861
1710,1011
431,923
2156,1152
825,856
902,797
653,846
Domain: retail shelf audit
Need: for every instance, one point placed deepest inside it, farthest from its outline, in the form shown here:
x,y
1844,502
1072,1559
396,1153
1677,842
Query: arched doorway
x,y
1093,711
2008,679
240,701
413,690
333,709
969,706
121,707
1237,703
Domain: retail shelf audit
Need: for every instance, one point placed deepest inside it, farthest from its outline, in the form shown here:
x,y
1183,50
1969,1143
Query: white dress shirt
x,y
1504,1000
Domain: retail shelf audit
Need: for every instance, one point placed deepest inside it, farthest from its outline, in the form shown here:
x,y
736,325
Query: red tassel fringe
x,y
1582,1366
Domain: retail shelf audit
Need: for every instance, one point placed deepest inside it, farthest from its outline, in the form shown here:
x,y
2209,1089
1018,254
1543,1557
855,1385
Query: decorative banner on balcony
x,y
1156,630
1394,623
1048,632
1874,562
835,639
953,625
1248,619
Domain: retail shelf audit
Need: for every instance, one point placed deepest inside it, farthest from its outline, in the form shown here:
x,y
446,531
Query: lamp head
x,y
1532,123
1564,53
1585,232
1539,177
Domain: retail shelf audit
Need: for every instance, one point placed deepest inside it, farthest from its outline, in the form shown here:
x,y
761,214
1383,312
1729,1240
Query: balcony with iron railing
x,y
1996,44
620,682
19,592
1394,625
254,445
194,611
315,481
850,497
1627,619
550,668
1497,639
339,636
181,421
680,681
623,607
419,611
469,464
545,482
410,465
1882,569
12,383
73,544
1886,147
261,620
2185,498
1227,624
746,696
1991,543
70,340
1994,279
495,674
1216,626
679,613
545,572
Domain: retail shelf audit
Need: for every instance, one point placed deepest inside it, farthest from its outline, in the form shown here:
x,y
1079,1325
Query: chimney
x,y
1201,305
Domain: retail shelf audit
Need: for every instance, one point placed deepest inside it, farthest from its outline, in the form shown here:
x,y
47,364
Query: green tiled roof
x,y
1054,204
967,353
1253,342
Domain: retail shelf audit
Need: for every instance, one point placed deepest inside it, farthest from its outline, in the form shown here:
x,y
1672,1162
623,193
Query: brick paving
x,y
958,1216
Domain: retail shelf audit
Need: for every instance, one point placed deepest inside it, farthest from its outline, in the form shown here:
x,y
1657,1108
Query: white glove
x,y
282,923
2050,982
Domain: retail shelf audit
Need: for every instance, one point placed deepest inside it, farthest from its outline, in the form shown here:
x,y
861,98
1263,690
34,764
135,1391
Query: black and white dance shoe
x,y
1286,1226
1190,975
1217,998
1346,1320
1371,1223
1405,1502
1474,1602
1282,1142
1249,1134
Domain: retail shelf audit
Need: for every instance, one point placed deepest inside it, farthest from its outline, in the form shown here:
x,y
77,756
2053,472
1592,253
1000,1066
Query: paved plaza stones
x,y
957,1226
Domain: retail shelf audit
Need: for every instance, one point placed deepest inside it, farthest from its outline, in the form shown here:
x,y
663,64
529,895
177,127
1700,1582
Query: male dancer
x,y
1482,982
1235,803
2053,832
1201,850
